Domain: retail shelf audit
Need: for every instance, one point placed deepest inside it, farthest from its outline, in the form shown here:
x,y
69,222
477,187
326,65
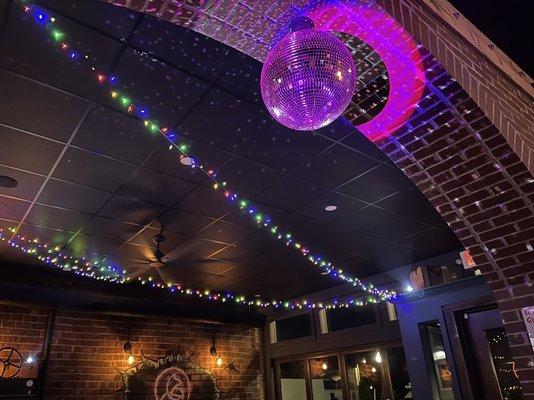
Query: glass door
x,y
365,375
492,373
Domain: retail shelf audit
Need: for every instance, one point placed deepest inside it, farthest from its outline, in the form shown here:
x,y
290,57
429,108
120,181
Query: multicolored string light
x,y
262,220
58,258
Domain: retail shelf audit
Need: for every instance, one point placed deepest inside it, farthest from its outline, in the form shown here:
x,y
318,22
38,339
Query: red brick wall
x,y
87,350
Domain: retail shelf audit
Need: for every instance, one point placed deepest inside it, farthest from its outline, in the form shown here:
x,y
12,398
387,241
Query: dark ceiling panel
x,y
31,51
12,209
73,196
290,193
182,222
131,210
93,170
345,206
206,201
166,92
335,166
117,135
116,21
154,187
377,184
110,229
28,183
225,121
42,153
46,112
57,218
225,232
167,162
285,149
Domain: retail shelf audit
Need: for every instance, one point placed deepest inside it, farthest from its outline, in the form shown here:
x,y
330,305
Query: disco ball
x,y
308,78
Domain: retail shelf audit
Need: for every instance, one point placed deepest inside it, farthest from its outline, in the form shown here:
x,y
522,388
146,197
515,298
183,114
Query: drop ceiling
x,y
93,180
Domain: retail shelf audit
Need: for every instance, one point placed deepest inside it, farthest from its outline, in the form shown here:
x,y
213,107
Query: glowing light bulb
x,y
325,366
219,361
29,360
409,288
131,359
373,369
378,357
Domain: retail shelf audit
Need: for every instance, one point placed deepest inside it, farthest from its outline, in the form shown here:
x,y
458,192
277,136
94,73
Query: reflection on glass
x,y
293,327
398,372
435,350
364,375
504,364
293,380
325,378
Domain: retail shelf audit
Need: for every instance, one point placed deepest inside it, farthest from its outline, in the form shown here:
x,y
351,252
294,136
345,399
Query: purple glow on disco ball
x,y
308,79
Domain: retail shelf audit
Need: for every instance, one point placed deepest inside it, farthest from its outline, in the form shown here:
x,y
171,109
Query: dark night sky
x,y
508,23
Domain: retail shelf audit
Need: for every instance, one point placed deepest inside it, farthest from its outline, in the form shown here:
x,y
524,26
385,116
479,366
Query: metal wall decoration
x,y
173,377
10,362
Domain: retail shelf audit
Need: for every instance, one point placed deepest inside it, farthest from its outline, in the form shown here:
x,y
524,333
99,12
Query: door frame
x,y
462,358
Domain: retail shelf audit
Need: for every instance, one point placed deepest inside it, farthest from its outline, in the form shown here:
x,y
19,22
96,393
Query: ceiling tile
x,y
73,196
289,193
398,229
224,121
194,248
345,206
338,129
206,201
12,209
237,254
154,187
116,21
168,162
30,42
182,47
54,237
225,232
110,229
85,245
17,148
243,217
359,142
335,167
284,149
182,222
412,203
246,178
166,92
46,111
93,170
377,184
117,135
131,210
242,75
57,218
28,183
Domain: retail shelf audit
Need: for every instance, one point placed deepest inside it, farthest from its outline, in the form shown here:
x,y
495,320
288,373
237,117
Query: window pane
x,y
326,378
293,380
344,318
504,364
364,375
398,371
435,354
293,327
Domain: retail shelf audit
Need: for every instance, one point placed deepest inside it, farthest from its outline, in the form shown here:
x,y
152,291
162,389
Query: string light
x,y
262,221
56,257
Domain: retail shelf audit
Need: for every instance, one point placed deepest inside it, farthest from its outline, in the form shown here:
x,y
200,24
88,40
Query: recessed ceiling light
x,y
330,207
186,161
7,182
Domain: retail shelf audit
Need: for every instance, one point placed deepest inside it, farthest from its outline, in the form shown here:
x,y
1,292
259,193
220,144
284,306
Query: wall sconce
x,y
324,366
213,351
378,357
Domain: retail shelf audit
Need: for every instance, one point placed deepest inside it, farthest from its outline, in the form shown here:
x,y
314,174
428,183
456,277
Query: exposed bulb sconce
x,y
325,366
219,361
378,357
131,359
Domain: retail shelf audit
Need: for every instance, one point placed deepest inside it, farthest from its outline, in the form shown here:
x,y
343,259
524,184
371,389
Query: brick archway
x,y
468,146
